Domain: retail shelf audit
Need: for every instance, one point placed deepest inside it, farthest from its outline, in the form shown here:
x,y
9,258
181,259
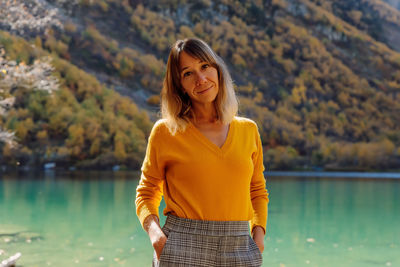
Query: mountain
x,y
321,78
394,3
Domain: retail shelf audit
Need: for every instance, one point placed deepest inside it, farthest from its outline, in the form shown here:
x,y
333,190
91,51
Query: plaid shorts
x,y
207,243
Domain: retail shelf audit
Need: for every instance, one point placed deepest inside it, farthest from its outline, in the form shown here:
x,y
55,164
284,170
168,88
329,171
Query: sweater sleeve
x,y
149,191
258,192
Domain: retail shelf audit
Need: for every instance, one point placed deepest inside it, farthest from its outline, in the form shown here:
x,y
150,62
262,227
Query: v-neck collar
x,y
219,150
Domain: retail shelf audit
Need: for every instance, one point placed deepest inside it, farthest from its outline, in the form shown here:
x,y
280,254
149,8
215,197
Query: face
x,y
198,78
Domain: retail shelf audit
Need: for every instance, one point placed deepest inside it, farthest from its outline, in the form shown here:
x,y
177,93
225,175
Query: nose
x,y
201,78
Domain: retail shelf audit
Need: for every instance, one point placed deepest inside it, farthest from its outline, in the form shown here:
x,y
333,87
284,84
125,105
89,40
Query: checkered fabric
x,y
207,243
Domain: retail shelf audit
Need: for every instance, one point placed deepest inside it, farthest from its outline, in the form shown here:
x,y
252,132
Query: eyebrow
x,y
184,68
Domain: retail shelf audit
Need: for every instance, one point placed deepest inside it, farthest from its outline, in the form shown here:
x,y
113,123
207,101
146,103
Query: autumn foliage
x,y
318,77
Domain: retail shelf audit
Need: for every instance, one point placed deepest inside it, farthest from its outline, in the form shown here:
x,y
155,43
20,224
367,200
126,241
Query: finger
x,y
158,255
260,247
159,251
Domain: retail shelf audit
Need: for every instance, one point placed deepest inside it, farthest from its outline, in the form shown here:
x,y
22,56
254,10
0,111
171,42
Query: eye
x,y
205,66
187,74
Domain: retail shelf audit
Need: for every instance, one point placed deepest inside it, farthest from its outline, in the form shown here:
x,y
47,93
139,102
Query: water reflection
x,y
89,219
88,215
334,221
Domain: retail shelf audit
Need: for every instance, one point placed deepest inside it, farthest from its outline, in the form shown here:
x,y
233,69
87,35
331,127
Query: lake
x,y
88,219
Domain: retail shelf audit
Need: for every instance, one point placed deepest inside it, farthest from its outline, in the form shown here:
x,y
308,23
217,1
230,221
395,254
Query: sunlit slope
x,y
58,113
321,78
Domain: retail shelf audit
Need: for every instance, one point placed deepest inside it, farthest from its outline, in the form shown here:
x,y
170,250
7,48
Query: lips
x,y
205,90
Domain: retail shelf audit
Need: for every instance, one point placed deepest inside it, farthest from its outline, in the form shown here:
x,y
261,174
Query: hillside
x,y
321,78
393,3
51,111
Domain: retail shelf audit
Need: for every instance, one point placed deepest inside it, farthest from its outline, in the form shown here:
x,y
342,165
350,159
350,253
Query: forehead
x,y
186,60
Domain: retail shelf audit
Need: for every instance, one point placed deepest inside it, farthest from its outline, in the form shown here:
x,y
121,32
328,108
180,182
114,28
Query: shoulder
x,y
245,122
159,130
246,127
160,124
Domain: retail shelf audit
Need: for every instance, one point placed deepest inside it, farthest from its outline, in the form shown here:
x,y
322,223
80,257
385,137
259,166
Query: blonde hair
x,y
176,106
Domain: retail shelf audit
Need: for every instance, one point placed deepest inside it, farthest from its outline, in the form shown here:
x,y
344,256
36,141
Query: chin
x,y
211,98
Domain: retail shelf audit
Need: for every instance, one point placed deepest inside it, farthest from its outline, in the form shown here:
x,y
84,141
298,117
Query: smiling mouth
x,y
203,91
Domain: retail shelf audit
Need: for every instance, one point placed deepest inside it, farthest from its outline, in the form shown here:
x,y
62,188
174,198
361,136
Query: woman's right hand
x,y
157,236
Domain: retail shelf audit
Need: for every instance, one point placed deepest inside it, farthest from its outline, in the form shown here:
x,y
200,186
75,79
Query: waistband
x,y
200,227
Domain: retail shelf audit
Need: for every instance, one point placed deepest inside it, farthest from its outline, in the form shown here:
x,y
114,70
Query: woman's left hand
x,y
258,237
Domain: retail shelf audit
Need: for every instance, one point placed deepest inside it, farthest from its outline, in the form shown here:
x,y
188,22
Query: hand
x,y
158,242
157,236
258,237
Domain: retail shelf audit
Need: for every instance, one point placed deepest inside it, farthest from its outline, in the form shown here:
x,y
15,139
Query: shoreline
x,y
334,174
389,174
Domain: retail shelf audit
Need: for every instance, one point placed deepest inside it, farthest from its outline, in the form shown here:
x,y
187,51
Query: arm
x,y
148,199
149,192
259,196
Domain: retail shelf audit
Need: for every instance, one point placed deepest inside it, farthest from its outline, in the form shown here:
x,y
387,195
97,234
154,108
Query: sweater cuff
x,y
144,212
252,228
260,218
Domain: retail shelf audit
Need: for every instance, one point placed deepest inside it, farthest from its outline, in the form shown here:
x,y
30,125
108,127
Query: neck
x,y
205,113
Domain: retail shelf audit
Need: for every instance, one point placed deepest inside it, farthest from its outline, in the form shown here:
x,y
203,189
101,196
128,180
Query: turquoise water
x,y
88,219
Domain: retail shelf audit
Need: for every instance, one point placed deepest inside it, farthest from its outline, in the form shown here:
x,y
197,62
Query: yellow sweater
x,y
202,181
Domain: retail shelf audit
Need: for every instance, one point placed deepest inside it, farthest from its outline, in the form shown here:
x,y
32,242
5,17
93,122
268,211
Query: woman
x,y
207,163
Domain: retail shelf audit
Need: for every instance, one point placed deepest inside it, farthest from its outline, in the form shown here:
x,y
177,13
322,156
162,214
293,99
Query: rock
x,y
11,261
7,137
15,234
7,229
28,17
116,168
50,165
